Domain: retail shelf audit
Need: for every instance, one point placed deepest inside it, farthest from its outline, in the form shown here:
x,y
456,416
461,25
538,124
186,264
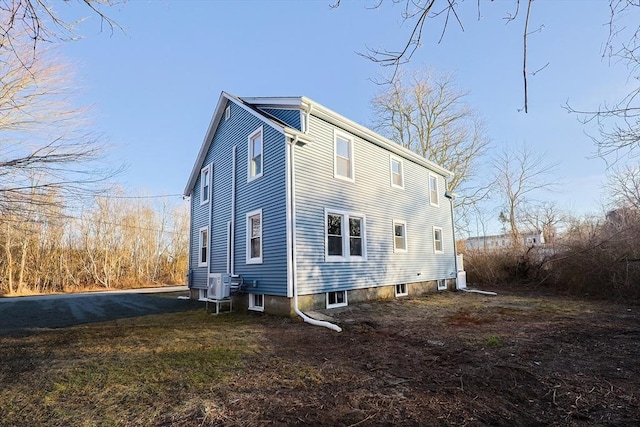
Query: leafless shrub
x,y
496,266
594,257
602,260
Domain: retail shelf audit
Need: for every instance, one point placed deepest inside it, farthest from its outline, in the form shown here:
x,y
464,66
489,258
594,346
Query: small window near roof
x,y
397,172
205,184
433,190
227,113
343,156
255,155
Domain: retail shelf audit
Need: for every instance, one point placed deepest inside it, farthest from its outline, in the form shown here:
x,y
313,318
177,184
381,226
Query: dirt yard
x,y
520,358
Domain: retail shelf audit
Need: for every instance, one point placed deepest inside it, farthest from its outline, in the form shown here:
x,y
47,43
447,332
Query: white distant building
x,y
502,241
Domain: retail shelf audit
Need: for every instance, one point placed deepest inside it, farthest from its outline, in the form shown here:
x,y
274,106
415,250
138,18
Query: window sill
x,y
254,178
341,259
344,178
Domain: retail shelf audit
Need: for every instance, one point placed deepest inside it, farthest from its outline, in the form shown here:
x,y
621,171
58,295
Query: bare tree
x,y
545,217
426,113
624,187
418,13
37,21
619,121
519,174
45,144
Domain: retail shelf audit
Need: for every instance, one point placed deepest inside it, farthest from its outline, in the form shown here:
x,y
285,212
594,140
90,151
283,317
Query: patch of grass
x,y
124,372
493,341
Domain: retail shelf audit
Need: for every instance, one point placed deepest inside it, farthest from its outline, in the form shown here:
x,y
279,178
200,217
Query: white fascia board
x,y
213,125
330,116
287,102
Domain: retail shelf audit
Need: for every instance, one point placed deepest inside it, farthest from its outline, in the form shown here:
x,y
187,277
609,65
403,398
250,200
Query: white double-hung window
x,y
399,236
397,172
437,240
433,190
205,184
203,247
254,237
343,156
345,238
255,155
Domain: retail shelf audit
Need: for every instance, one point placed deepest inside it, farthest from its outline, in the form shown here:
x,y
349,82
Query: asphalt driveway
x,y
25,315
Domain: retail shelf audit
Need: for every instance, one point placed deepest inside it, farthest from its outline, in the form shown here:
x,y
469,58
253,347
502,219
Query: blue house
x,y
301,208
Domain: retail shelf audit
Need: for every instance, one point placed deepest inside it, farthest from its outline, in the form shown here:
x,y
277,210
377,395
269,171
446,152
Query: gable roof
x,y
253,105
268,119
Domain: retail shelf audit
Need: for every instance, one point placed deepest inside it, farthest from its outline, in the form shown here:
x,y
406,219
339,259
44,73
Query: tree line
x,y
116,243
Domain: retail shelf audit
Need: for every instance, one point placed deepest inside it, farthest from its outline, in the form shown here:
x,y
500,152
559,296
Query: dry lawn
x,y
520,358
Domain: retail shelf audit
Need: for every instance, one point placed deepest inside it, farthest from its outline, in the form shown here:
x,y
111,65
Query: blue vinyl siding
x,y
267,192
290,117
372,195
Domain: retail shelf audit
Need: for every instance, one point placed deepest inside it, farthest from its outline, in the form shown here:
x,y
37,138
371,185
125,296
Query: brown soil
x,y
519,358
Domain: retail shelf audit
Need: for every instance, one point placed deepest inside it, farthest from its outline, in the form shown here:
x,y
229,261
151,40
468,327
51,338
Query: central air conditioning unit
x,y
217,288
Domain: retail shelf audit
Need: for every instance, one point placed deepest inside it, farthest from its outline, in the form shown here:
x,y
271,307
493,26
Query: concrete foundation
x,y
283,306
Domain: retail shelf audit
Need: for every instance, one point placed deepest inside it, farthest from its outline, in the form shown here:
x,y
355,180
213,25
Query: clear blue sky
x,y
154,86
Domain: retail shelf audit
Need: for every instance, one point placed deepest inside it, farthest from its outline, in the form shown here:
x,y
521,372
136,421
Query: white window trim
x,y
258,131
202,294
437,202
227,113
200,263
401,294
346,256
206,169
441,240
339,304
442,284
393,158
393,233
248,237
337,134
253,306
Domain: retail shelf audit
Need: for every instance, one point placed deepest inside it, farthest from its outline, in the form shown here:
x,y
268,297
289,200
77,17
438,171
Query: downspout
x,y
233,212
293,253
451,196
306,118
209,208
